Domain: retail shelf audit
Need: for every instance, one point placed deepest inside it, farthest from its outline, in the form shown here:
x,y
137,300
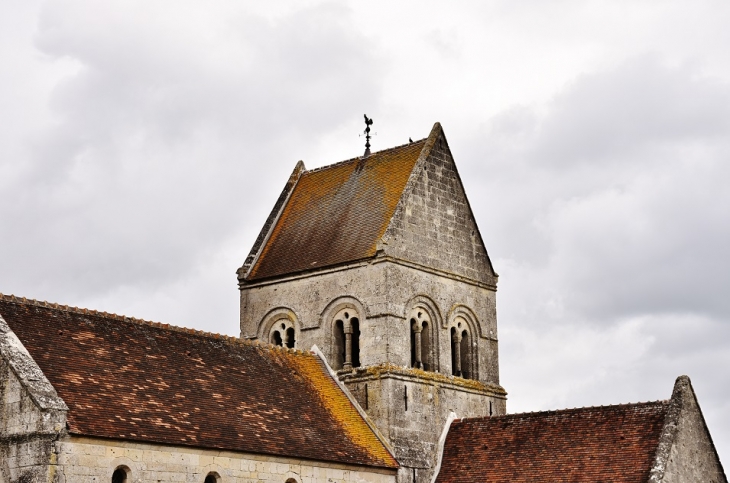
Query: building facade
x,y
379,262
368,353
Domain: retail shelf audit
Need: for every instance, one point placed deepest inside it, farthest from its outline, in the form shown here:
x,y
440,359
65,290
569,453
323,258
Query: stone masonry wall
x,y
384,291
692,456
27,434
411,409
91,460
434,225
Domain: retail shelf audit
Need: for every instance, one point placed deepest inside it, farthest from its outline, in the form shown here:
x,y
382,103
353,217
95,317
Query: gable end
x,y
433,224
685,451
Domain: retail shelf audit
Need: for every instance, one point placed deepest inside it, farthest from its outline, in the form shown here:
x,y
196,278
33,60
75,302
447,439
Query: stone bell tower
x,y
379,262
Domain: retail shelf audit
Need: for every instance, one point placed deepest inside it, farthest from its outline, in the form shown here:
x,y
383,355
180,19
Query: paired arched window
x,y
420,323
461,349
280,327
283,334
347,339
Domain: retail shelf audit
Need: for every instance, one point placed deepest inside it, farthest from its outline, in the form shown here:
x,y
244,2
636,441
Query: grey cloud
x,y
156,155
606,214
616,196
641,105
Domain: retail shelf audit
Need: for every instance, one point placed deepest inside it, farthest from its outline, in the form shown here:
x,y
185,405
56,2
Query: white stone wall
x,y
386,292
92,460
26,433
692,456
410,409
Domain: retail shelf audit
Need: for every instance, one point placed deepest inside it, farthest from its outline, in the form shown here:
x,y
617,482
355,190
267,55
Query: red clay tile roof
x,y
609,444
337,214
129,379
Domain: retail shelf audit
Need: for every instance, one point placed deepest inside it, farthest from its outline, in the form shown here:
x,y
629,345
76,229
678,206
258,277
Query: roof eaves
x,y
306,272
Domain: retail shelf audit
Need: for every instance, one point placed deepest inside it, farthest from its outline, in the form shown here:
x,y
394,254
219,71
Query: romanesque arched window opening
x,y
119,475
347,339
339,345
212,478
455,369
355,323
426,347
465,353
283,334
461,350
420,340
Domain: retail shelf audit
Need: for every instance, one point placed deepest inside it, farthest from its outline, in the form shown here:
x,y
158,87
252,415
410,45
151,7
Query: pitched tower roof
x,y
337,214
346,212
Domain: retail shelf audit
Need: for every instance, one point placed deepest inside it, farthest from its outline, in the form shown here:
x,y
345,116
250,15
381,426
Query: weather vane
x,y
368,123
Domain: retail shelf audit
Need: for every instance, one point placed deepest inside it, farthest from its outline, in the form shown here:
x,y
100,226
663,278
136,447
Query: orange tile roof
x,y
337,214
128,379
611,444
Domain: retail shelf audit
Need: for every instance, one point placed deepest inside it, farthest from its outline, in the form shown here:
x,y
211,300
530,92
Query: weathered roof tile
x,y
128,379
337,214
611,444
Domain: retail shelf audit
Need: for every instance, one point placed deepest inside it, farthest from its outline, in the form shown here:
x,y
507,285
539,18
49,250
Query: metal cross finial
x,y
368,123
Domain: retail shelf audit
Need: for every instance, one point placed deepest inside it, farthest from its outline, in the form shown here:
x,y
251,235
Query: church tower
x,y
379,262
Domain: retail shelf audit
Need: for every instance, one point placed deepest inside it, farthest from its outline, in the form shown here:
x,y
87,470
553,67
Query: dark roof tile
x,y
611,444
338,213
128,379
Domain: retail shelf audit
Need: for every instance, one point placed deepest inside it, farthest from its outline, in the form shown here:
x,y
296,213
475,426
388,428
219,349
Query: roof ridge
x,y
358,158
663,402
124,318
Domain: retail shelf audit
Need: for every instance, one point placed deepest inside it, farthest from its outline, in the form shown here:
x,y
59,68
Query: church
x,y
368,352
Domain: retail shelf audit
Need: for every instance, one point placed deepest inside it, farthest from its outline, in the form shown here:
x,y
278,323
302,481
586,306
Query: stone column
x,y
348,347
457,353
417,329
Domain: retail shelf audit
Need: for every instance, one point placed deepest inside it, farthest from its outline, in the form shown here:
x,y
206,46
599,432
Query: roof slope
x,y
129,379
611,444
337,214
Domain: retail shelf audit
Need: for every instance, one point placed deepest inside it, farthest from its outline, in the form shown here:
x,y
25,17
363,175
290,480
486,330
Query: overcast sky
x,y
142,145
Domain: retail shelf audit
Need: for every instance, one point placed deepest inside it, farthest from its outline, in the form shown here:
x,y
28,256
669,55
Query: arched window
x,y
420,323
120,475
347,339
283,334
276,338
461,349
465,353
455,369
212,477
